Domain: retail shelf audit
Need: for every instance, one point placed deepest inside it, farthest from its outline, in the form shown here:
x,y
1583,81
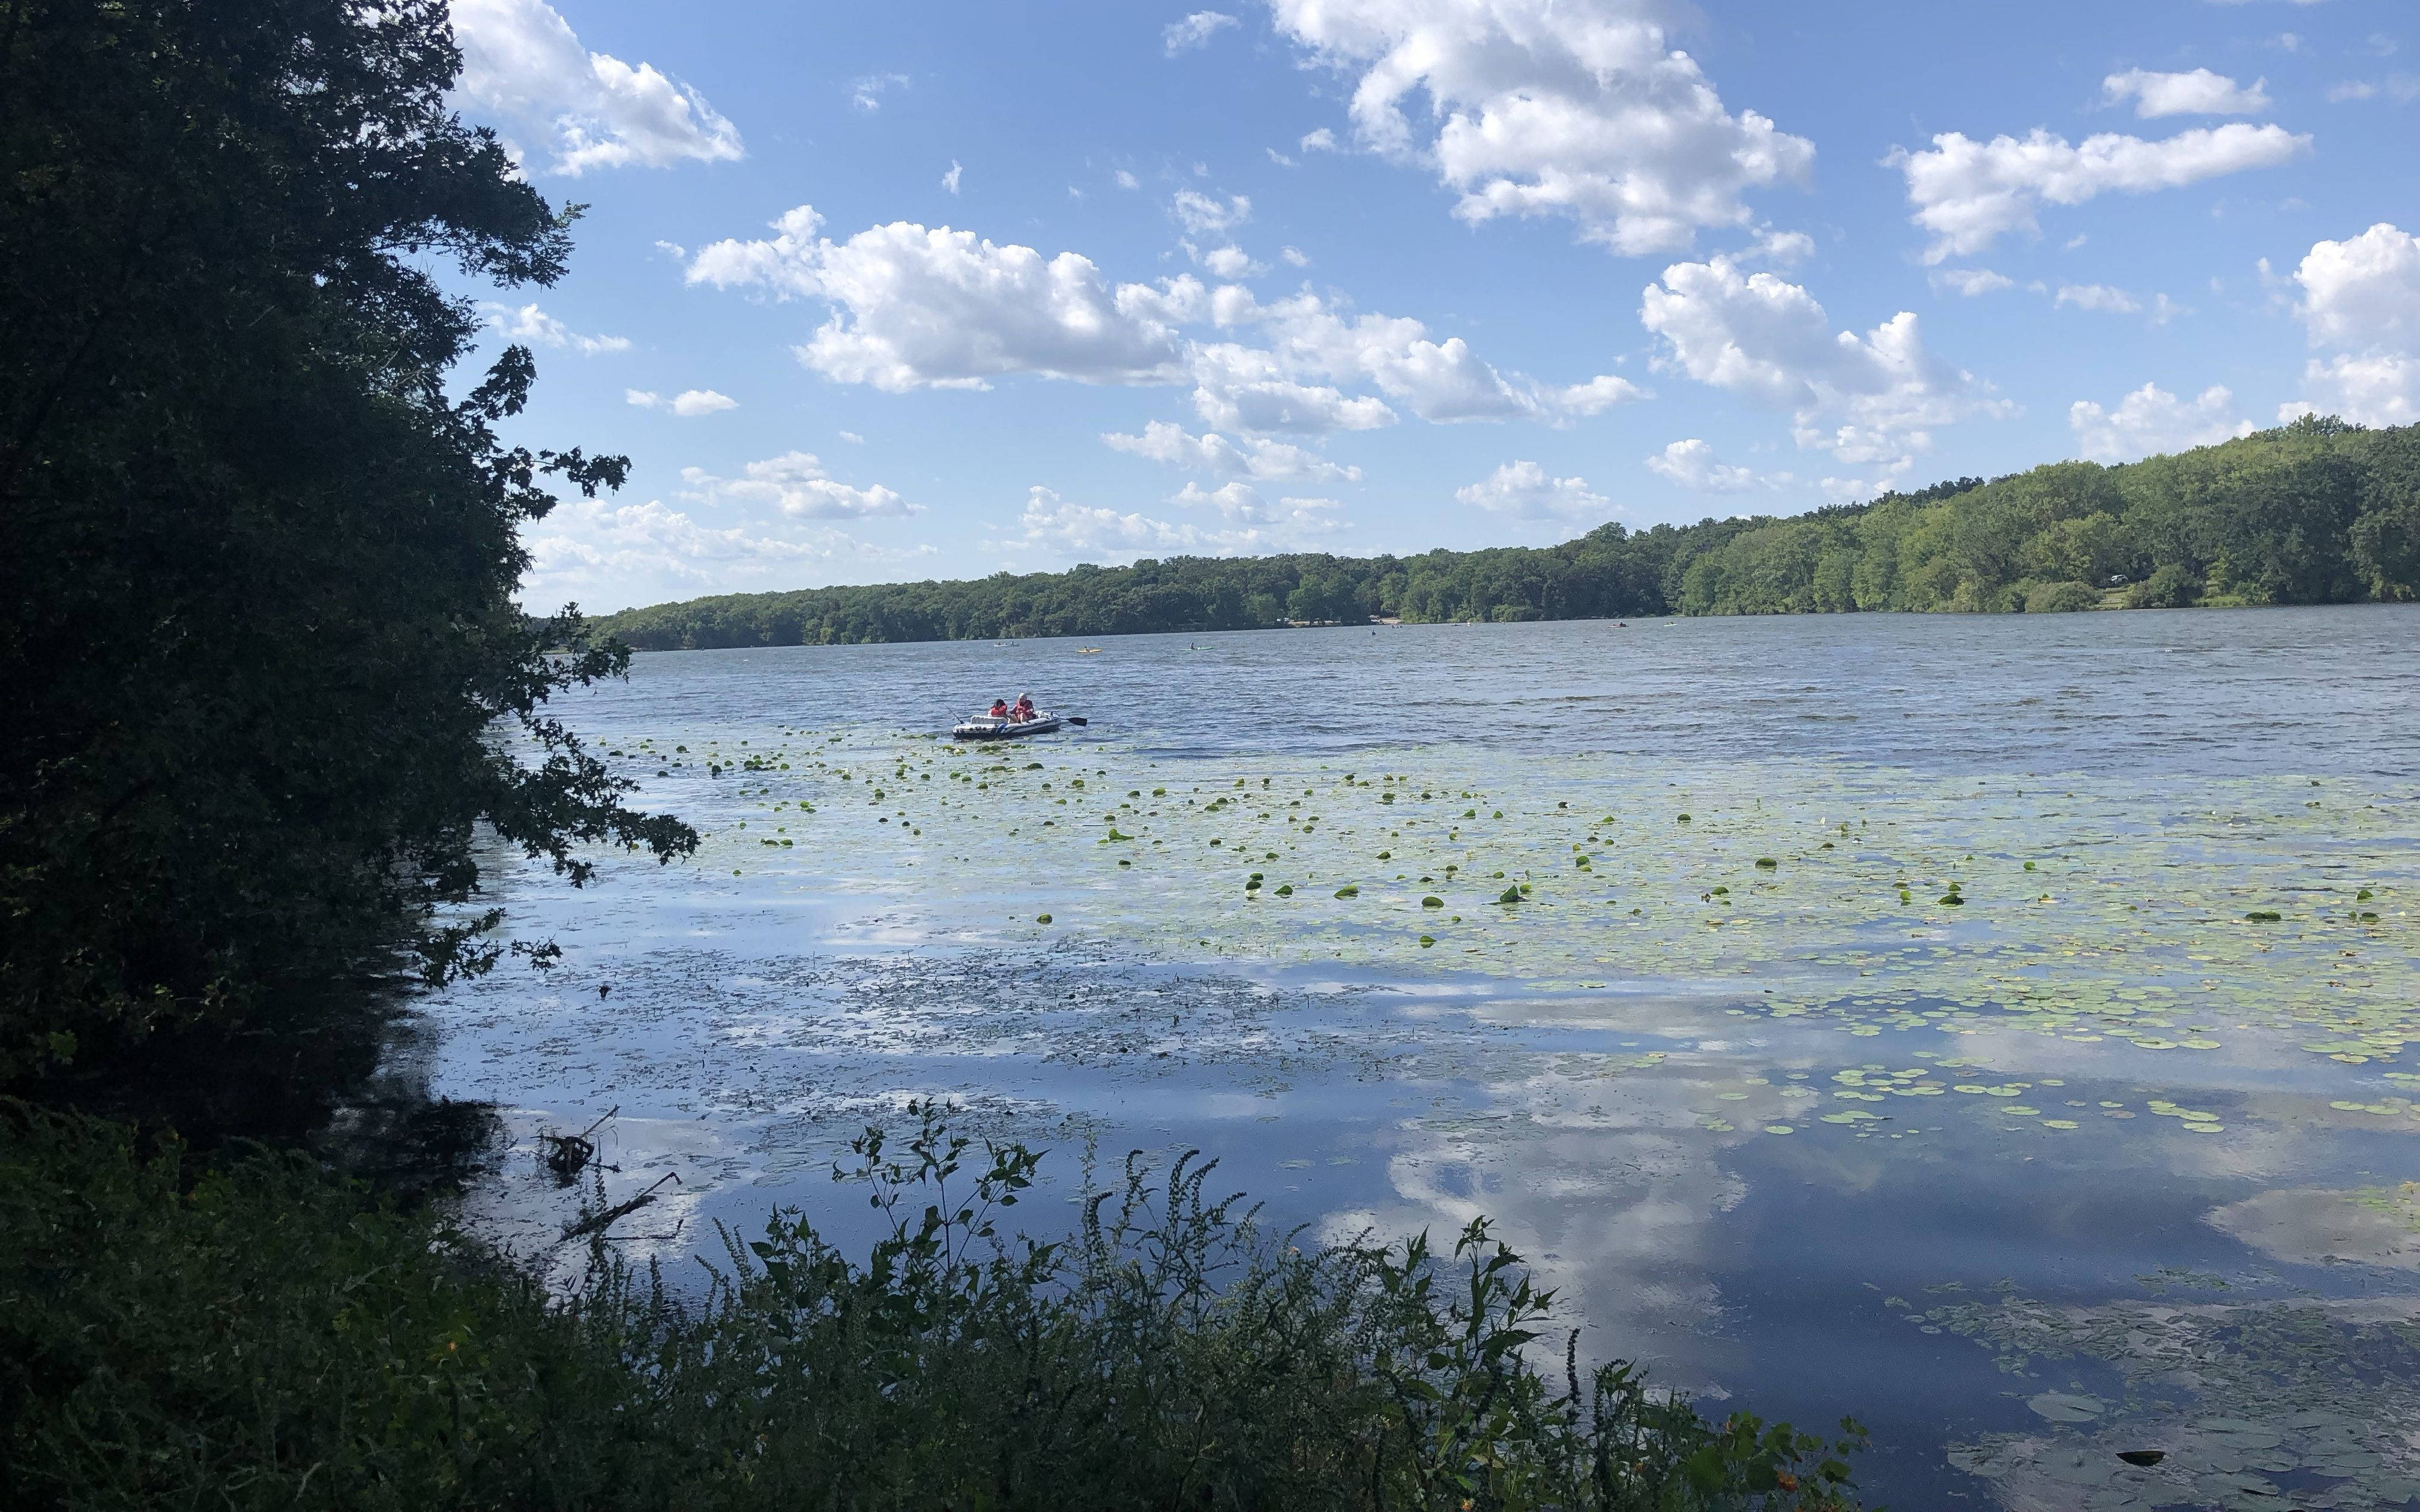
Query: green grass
x,y
268,1336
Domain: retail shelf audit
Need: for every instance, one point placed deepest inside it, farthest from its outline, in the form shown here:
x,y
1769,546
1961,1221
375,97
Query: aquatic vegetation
x,y
2123,930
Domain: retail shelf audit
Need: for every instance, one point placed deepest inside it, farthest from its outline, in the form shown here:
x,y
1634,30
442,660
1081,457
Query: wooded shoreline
x,y
2318,512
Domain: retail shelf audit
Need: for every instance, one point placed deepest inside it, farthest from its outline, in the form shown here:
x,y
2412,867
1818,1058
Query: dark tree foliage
x,y
267,685
2318,512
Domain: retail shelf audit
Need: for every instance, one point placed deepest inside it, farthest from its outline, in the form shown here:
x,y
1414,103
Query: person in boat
x,y
1023,713
1000,708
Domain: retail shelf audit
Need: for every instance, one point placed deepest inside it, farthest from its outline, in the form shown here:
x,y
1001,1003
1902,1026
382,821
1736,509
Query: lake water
x,y
1862,1013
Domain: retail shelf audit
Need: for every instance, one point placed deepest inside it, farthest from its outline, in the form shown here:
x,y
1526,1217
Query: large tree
x,y
267,685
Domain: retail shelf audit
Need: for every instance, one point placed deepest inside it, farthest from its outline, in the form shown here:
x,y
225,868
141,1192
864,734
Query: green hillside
x,y
2318,512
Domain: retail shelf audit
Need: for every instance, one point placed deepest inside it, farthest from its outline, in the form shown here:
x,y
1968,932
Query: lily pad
x,y
2063,1407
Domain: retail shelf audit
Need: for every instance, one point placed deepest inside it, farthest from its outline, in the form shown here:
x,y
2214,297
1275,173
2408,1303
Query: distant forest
x,y
2318,512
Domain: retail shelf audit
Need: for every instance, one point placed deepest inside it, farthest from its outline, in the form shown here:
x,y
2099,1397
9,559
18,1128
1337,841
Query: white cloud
x,y
1594,397
587,545
2364,291
1782,249
917,308
1289,521
2361,295
1967,193
1245,388
1440,382
1203,215
521,61
1971,282
1172,444
1088,532
1230,262
2099,298
2374,388
1321,140
2150,419
796,482
1875,398
689,404
1691,464
1125,181
530,323
866,93
1549,107
2198,93
2399,87
1194,31
1525,491
1294,256
949,180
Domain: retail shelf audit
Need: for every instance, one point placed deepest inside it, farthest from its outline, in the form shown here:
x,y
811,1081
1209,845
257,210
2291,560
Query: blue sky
x,y
872,293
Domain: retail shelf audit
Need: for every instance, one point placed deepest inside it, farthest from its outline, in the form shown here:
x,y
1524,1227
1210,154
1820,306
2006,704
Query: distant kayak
x,y
984,727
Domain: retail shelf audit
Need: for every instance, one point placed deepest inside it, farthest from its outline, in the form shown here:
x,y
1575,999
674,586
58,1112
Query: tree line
x,y
2316,511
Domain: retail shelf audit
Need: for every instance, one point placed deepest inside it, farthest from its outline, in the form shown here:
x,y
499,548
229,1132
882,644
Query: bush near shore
x,y
268,1336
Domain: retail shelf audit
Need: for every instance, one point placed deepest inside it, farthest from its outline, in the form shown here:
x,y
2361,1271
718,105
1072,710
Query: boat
x,y
984,727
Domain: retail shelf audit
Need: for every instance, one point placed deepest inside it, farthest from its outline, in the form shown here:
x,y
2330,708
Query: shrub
x,y
2061,598
2173,586
269,1337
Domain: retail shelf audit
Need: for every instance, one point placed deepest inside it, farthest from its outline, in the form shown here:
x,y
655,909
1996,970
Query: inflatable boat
x,y
984,727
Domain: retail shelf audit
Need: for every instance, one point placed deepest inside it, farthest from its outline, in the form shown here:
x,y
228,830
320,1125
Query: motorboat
x,y
986,727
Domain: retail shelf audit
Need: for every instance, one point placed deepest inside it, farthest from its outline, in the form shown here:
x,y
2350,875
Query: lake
x,y
1999,1028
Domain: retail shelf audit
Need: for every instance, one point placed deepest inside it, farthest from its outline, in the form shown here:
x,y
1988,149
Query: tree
x,y
267,680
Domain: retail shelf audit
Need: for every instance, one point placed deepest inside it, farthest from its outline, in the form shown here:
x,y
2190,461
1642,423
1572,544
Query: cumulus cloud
x,y
2097,296
588,545
1525,491
1287,522
1230,262
1594,397
689,404
1969,194
2361,296
796,482
522,62
532,324
1971,282
949,180
1194,31
2198,93
1691,464
1577,108
914,308
1089,533
1782,249
1440,382
1237,387
1205,214
919,308
1875,398
2150,419
1256,457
